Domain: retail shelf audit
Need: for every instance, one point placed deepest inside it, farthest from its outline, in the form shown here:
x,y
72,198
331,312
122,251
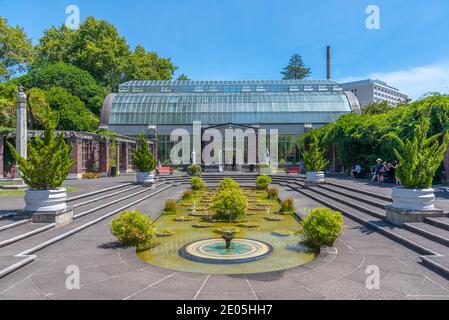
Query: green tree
x,y
296,69
99,49
76,81
313,157
183,77
49,160
148,66
377,108
16,50
143,157
72,113
8,92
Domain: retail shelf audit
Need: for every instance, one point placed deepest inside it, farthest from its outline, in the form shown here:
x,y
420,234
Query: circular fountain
x,y
229,251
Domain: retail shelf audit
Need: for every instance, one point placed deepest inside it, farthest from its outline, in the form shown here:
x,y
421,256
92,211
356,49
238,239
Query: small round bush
x,y
132,228
229,205
195,170
170,206
197,183
287,205
187,195
321,228
263,182
272,193
228,184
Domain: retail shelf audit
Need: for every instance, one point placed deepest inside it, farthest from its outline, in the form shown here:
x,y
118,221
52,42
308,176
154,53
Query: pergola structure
x,y
91,152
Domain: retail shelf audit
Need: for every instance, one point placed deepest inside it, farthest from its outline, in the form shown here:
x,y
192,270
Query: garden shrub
x,y
313,157
132,228
143,157
287,206
263,182
195,170
91,175
229,205
273,193
170,206
187,195
197,184
227,184
321,228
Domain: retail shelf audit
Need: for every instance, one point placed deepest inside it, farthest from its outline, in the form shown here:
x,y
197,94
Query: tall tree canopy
x,y
98,48
78,82
16,50
183,77
296,69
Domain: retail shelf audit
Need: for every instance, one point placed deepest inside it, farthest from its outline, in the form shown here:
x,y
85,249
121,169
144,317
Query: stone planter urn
x,y
266,171
46,200
413,199
412,205
315,177
145,178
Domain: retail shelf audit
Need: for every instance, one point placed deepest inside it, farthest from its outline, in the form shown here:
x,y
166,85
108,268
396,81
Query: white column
x,y
21,125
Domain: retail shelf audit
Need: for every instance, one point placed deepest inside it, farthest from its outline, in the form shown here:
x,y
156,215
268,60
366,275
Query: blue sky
x,y
248,39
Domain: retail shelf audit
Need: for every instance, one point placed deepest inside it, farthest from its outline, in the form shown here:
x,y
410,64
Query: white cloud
x,y
415,82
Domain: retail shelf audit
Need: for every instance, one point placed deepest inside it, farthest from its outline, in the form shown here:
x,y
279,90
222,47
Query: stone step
x,y
106,195
360,190
442,223
97,192
376,202
429,231
22,232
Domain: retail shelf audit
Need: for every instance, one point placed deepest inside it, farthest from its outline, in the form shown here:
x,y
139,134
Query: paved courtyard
x,y
111,272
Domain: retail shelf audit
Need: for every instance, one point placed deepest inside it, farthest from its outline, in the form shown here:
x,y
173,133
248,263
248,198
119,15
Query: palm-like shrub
x,y
272,193
143,157
197,184
287,206
227,184
170,206
132,228
313,157
229,205
49,160
321,228
187,195
263,182
420,157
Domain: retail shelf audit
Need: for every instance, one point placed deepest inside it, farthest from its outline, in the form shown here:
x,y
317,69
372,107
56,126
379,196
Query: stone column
x,y
104,158
76,172
21,125
125,156
1,156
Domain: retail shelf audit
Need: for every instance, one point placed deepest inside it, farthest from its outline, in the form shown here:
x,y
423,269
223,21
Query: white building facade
x,y
369,91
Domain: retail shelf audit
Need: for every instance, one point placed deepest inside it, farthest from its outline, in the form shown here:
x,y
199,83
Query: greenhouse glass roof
x,y
218,102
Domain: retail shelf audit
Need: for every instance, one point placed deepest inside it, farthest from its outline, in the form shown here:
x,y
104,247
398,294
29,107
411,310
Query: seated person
x,y
357,172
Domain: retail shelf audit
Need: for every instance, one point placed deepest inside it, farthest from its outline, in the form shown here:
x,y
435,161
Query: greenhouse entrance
x,y
239,147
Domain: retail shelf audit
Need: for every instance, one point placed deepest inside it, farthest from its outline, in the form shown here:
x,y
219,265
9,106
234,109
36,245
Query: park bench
x,y
164,171
294,170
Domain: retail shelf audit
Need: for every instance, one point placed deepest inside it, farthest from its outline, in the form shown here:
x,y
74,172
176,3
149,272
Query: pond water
x,y
263,223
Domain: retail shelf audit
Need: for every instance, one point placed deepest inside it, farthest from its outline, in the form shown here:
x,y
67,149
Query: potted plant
x,y
145,163
314,162
419,160
44,171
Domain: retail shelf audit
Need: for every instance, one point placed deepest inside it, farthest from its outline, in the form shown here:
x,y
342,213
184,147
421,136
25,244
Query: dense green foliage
x,y
143,157
16,50
228,184
263,182
363,138
77,82
296,69
321,227
72,113
195,170
313,157
377,108
197,183
421,156
132,228
229,204
99,49
49,160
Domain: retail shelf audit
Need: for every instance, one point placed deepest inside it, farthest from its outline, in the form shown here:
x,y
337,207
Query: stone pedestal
x,y
400,216
60,218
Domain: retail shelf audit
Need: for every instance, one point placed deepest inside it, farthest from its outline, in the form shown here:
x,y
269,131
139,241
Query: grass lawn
x,y
21,193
